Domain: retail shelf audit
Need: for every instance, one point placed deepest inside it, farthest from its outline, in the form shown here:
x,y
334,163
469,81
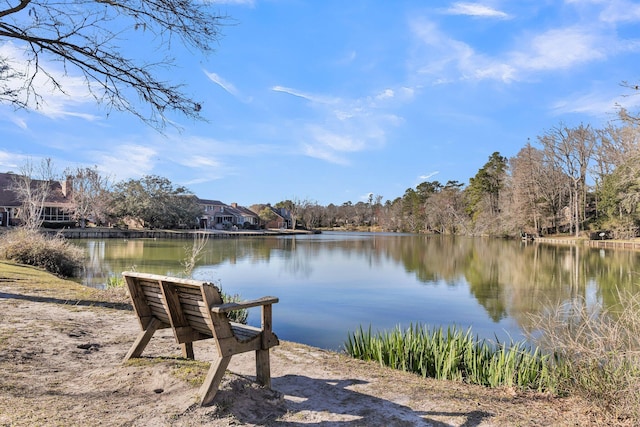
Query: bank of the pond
x,y
61,350
117,233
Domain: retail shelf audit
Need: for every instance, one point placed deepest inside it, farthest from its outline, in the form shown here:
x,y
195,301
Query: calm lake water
x,y
333,283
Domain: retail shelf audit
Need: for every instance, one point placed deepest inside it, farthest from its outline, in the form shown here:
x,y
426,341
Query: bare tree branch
x,y
86,37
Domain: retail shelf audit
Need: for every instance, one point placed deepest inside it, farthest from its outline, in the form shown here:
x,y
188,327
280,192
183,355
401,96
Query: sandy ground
x,y
61,362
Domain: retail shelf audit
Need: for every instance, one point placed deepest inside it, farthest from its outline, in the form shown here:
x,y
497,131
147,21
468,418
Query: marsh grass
x,y
114,282
597,350
454,354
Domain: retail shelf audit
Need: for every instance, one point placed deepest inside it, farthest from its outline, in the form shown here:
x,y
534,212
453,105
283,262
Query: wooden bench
x,y
194,310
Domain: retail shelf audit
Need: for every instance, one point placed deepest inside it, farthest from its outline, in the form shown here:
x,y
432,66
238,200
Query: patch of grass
x,y
33,282
114,282
192,372
454,354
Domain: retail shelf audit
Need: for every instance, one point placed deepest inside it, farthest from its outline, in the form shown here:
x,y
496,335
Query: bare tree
x,y
194,253
89,191
572,149
33,192
310,213
85,36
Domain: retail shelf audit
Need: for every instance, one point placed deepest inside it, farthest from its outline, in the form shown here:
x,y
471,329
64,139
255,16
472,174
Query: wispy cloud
x,y
224,84
341,126
19,121
127,161
323,153
428,175
562,48
227,86
475,9
620,11
309,97
554,49
12,161
446,59
595,103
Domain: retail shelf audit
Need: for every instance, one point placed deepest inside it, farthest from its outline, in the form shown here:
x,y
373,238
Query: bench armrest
x,y
231,306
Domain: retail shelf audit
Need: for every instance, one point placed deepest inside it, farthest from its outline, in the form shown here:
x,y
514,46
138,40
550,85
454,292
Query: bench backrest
x,y
181,304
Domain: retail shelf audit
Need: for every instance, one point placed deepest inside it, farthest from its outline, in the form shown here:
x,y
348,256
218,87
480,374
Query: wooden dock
x,y
609,244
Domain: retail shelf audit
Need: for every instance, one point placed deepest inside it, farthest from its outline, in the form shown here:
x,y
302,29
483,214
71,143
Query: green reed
x,y
114,282
454,354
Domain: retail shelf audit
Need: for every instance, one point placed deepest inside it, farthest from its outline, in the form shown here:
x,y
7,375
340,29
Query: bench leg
x,y
187,350
143,339
212,382
263,368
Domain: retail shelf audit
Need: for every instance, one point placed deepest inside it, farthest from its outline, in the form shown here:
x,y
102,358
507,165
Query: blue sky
x,y
332,100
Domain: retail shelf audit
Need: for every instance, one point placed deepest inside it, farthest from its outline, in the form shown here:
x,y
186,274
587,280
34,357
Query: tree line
x,y
569,180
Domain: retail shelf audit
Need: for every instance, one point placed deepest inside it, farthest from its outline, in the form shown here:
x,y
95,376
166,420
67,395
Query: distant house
x,y
281,217
248,218
218,215
57,207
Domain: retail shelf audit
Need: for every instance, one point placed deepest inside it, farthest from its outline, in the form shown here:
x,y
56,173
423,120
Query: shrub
x,y
238,316
52,253
598,350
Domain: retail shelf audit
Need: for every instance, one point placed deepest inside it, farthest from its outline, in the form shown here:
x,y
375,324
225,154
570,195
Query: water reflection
x,y
333,283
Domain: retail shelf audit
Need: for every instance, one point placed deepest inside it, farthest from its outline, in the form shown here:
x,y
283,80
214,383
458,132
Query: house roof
x,y
210,202
246,211
9,198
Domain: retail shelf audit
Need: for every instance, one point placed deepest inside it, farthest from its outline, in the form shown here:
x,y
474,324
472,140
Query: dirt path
x,y
61,362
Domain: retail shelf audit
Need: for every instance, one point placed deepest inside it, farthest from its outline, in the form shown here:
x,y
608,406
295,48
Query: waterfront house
x,y
57,208
280,217
218,215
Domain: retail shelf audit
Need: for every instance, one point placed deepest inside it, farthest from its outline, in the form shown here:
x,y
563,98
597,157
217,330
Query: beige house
x,y
220,216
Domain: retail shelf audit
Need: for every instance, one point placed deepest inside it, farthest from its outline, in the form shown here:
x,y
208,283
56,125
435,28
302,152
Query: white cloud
x,y
557,49
228,86
203,162
127,161
12,161
323,153
340,125
334,141
475,9
620,11
428,175
385,94
561,49
595,103
318,99
18,121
